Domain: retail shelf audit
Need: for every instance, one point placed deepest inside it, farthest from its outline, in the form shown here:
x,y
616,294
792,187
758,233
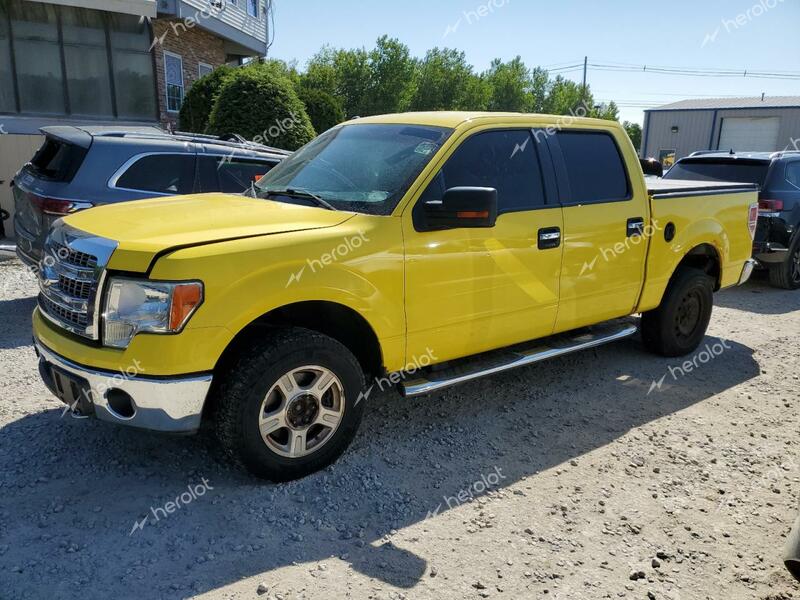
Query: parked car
x,y
80,167
777,243
386,245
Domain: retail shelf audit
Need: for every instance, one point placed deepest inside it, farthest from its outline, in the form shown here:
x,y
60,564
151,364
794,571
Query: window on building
x,y
203,69
160,173
595,170
7,101
86,60
252,8
40,80
173,74
505,160
133,67
62,63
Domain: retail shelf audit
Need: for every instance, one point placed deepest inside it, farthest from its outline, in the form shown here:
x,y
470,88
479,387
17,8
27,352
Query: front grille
x,y
60,313
74,287
73,257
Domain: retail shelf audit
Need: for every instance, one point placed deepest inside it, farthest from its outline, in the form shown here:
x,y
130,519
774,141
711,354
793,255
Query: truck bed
x,y
669,188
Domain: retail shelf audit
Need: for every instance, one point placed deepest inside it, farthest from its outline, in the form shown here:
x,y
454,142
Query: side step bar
x,y
498,361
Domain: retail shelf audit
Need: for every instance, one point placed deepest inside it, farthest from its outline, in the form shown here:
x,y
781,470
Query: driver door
x,y
474,289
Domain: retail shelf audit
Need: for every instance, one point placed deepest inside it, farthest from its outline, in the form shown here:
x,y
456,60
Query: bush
x,y
322,108
261,105
199,99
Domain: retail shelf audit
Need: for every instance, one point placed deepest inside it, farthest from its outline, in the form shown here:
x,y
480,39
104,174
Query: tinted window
x,y
739,171
595,169
793,174
236,175
504,160
162,173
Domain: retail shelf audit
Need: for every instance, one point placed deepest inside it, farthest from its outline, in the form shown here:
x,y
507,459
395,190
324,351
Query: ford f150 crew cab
x,y
475,242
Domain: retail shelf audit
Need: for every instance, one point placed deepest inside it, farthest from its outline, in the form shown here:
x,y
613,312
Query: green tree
x,y
260,104
391,78
510,85
445,81
199,99
344,74
634,131
324,110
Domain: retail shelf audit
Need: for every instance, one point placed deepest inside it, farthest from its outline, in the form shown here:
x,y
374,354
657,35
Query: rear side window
x,y
57,160
505,160
793,174
594,167
160,173
736,171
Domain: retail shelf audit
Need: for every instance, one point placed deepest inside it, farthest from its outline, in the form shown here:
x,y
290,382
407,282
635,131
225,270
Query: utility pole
x,y
585,64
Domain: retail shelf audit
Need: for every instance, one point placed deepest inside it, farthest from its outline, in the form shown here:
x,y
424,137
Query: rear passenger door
x,y
604,216
156,174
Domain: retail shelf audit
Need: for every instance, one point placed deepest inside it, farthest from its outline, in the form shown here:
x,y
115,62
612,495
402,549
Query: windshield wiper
x,y
305,194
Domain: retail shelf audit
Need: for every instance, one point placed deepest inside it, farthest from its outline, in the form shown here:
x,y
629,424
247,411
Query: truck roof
x,y
719,154
453,119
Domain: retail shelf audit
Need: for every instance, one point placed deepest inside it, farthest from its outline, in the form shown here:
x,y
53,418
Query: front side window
x,y
173,69
236,175
360,167
505,160
160,173
594,167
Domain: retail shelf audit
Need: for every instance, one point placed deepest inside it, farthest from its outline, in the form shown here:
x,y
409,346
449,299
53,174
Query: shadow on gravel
x,y
71,492
760,297
15,326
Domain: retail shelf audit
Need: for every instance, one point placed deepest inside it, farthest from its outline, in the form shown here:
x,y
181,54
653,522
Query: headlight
x,y
139,305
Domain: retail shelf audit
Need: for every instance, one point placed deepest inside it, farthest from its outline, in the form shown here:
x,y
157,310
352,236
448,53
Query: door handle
x,y
549,237
635,227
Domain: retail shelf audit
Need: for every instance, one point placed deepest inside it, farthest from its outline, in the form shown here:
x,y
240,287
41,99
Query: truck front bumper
x,y
171,404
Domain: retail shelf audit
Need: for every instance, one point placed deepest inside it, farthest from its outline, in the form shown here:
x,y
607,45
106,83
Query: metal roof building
x,y
765,123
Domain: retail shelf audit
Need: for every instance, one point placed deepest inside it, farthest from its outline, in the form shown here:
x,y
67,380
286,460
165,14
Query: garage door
x,y
758,134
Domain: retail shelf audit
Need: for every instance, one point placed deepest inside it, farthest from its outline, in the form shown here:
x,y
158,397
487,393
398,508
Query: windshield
x,y
363,168
738,171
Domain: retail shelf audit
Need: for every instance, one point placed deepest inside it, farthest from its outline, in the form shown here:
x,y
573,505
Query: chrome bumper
x,y
169,404
747,270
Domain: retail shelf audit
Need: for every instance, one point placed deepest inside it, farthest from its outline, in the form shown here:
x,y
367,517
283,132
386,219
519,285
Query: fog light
x,y
120,403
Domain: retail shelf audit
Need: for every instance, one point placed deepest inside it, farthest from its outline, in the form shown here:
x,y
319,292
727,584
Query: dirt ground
x,y
607,474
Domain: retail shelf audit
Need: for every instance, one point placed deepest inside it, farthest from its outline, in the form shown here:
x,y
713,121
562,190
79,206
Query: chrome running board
x,y
498,361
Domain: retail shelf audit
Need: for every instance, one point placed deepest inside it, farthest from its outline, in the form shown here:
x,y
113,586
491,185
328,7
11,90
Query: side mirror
x,y
462,207
650,166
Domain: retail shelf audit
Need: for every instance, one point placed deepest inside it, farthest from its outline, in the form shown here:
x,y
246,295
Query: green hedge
x,y
260,104
322,108
199,100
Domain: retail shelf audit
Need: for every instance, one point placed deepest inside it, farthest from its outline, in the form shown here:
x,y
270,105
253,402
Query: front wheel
x,y
677,327
289,406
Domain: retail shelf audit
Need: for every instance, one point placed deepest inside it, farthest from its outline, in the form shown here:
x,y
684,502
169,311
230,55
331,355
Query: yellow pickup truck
x,y
417,250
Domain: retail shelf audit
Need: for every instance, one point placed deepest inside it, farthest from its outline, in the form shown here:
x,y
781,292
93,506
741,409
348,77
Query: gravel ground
x,y
566,480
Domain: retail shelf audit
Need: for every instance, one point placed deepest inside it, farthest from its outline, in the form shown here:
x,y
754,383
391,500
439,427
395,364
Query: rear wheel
x,y
288,406
678,326
786,275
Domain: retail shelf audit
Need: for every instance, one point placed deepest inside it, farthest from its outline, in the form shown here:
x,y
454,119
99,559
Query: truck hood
x,y
145,228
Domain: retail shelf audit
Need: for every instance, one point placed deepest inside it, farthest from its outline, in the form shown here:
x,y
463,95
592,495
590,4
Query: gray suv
x,y
80,167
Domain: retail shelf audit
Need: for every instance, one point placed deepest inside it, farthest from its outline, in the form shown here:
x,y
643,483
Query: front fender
x,y
358,264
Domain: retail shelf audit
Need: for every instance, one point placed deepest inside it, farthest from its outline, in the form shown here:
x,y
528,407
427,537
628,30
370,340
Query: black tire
x,y
786,275
677,327
246,383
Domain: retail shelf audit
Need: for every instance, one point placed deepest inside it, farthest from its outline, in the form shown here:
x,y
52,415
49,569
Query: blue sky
x,y
760,35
